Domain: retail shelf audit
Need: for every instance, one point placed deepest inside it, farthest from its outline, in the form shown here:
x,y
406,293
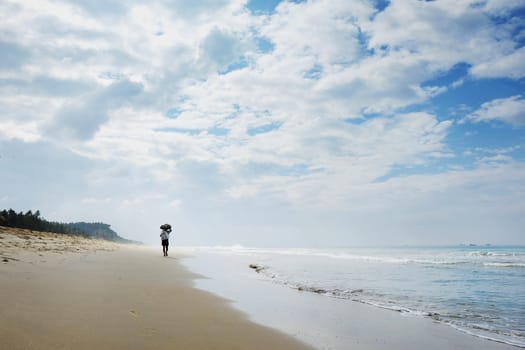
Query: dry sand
x,y
65,292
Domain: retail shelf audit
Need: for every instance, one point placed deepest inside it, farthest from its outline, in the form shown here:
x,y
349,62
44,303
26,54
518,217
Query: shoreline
x,y
68,292
323,321
73,292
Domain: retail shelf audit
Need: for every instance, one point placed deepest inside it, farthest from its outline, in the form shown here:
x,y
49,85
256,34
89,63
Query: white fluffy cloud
x,y
509,110
309,108
511,65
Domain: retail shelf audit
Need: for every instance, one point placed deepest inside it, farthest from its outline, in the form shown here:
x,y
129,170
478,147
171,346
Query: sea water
x,y
479,290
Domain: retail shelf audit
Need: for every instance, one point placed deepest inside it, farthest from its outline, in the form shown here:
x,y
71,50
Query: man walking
x,y
165,236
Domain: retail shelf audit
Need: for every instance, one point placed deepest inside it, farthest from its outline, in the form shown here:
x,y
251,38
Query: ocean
x,y
479,290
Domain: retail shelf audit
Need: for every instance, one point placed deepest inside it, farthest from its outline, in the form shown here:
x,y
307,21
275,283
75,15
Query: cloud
x,y
318,31
502,9
509,110
45,86
322,114
27,132
186,9
41,173
95,8
219,49
511,65
12,56
338,156
440,34
83,118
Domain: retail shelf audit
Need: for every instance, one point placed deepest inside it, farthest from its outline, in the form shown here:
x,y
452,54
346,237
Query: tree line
x,y
33,221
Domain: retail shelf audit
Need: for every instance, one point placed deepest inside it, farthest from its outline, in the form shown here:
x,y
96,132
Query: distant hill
x,y
33,221
98,230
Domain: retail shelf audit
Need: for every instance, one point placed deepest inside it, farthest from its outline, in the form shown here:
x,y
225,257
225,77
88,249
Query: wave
x,y
488,335
505,264
494,254
457,321
476,323
438,258
428,282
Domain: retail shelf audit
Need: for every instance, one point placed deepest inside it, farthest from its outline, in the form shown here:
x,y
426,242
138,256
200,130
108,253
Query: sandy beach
x,y
68,292
65,292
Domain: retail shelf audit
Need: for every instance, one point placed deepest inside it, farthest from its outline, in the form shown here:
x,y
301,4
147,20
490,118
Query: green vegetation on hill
x,y
33,221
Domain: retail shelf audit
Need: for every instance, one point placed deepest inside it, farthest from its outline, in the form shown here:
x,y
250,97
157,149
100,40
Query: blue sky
x,y
270,123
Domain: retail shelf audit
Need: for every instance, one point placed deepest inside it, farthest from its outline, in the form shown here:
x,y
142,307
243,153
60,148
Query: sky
x,y
319,123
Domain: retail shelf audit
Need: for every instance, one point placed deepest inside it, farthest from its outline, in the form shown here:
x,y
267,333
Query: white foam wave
x,y
493,254
504,264
488,336
361,296
485,258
